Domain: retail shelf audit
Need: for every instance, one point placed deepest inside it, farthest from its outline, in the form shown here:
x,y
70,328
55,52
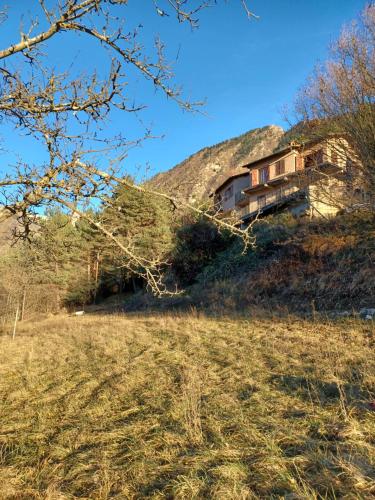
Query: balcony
x,y
271,200
240,198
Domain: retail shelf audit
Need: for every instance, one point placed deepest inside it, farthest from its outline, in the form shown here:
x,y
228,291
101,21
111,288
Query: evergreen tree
x,y
53,269
197,243
62,255
142,222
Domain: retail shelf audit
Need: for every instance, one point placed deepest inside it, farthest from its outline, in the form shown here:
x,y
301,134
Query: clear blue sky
x,y
246,70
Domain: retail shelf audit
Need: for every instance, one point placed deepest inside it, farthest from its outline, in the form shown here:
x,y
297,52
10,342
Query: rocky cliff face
x,y
197,176
8,225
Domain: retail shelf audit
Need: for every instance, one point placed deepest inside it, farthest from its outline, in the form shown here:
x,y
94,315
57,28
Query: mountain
x,y
197,176
8,224
10,227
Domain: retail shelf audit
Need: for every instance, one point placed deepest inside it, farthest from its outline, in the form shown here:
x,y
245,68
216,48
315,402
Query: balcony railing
x,y
240,196
268,200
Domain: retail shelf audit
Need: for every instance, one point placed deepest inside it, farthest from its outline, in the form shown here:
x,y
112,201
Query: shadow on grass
x,y
318,391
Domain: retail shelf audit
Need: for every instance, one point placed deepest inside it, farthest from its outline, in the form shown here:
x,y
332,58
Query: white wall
x,y
238,184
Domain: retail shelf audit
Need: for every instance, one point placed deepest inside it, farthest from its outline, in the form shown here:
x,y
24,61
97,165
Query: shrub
x,y
197,244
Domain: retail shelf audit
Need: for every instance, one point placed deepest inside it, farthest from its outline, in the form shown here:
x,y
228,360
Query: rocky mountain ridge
x,y
196,177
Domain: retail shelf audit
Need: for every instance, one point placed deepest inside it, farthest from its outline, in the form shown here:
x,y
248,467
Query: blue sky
x,y
246,70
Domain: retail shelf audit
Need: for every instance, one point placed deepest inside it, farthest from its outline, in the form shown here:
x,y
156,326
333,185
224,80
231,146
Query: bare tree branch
x,y
68,115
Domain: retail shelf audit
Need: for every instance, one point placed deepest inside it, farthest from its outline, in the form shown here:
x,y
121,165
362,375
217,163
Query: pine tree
x,y
141,221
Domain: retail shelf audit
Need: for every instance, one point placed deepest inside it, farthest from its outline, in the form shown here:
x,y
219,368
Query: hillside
x,y
198,175
8,225
10,229
298,265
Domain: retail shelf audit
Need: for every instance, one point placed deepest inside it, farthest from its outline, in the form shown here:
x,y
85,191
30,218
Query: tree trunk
x,y
23,304
15,322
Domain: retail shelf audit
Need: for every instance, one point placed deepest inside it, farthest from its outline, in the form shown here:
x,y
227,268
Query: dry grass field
x,y
187,407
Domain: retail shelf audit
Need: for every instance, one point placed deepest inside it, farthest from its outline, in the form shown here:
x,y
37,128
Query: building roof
x,y
290,147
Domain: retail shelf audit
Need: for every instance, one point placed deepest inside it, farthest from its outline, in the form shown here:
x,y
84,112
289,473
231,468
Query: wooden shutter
x,y
299,162
254,177
278,168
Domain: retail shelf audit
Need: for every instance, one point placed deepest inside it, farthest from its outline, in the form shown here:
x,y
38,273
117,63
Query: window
x,y
280,167
314,159
264,175
361,195
261,201
228,193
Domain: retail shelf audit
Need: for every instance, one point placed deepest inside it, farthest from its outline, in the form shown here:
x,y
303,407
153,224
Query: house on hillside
x,y
228,194
312,179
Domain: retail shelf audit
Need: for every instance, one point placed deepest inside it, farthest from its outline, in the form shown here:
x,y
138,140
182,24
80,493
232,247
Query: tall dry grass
x,y
187,407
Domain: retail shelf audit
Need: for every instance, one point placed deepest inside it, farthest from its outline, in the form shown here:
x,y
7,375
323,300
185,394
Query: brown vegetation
x,y
187,407
298,265
339,98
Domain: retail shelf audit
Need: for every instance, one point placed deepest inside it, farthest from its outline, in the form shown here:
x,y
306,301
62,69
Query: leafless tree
x,y
339,99
67,111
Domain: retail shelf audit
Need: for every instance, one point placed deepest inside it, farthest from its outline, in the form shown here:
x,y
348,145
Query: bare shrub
x,y
338,99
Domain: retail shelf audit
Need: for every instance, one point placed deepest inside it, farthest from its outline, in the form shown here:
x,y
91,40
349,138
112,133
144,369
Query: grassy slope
x,y
187,407
297,265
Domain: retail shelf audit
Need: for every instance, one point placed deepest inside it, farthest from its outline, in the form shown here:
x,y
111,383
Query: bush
x,y
196,246
327,263
233,261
